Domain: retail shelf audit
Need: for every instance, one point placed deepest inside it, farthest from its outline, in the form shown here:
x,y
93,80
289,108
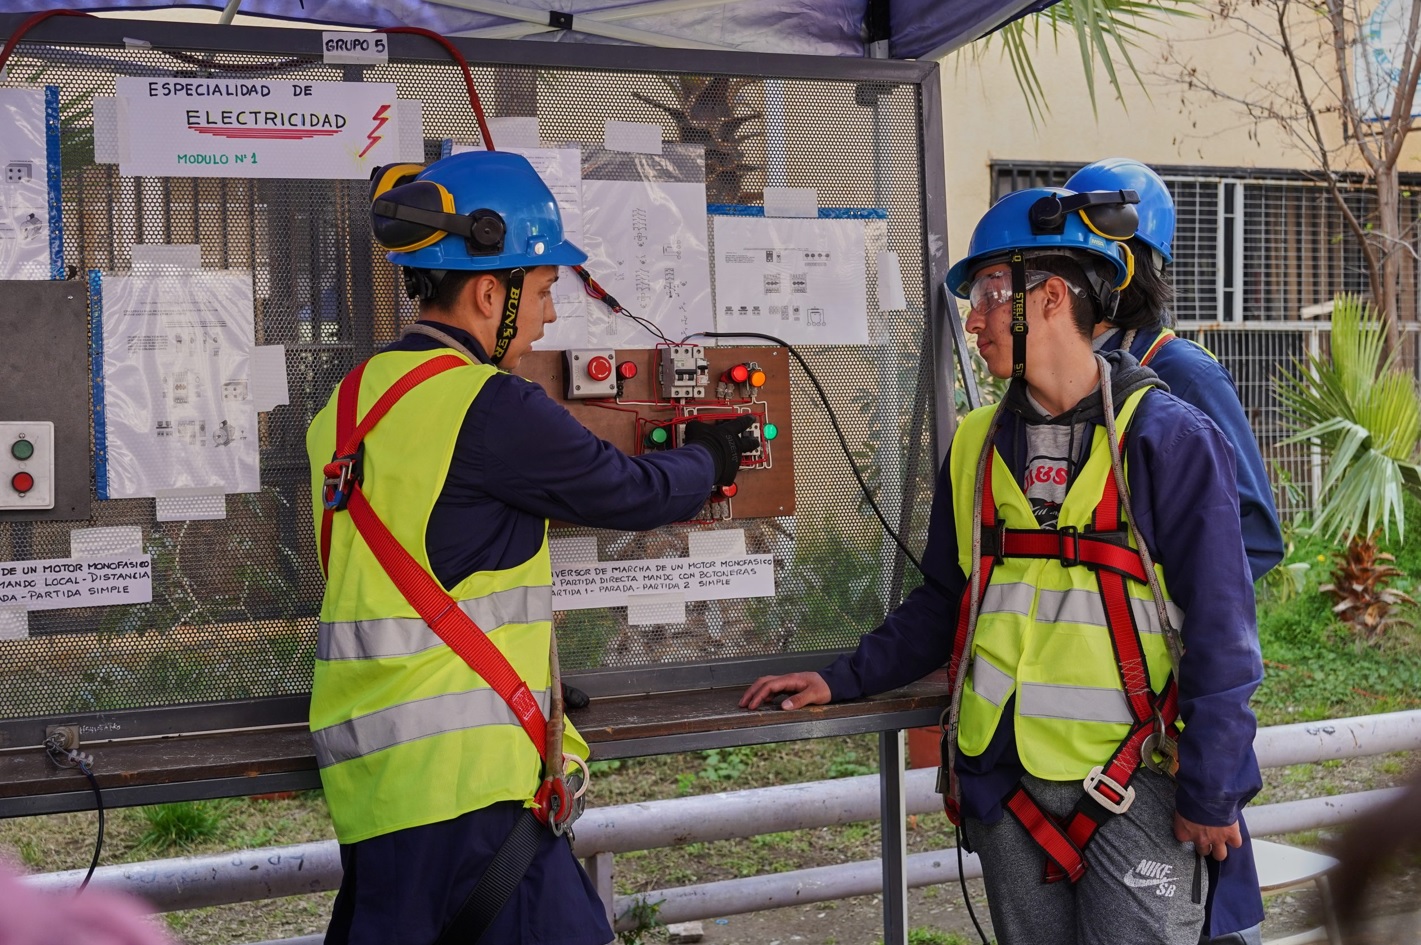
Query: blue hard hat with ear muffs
x,y
1045,219
479,210
1156,206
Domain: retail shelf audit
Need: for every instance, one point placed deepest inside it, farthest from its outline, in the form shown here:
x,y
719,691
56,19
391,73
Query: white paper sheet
x,y
511,132
561,170
800,280
105,541
584,585
190,505
646,245
640,136
256,127
24,186
176,392
57,583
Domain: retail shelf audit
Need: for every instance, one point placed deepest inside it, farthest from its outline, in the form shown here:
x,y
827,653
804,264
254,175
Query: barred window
x,y
1253,245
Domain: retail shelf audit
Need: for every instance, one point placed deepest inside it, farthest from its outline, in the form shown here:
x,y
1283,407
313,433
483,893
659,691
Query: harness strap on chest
x,y
431,601
1107,786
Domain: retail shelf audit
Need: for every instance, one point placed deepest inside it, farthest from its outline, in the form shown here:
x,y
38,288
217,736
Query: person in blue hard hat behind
x,y
434,473
1086,560
1142,325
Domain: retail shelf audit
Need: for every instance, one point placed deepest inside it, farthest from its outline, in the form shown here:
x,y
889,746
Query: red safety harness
x,y
1106,551
434,604
1165,337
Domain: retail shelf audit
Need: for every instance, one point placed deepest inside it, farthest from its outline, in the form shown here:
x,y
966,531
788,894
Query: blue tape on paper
x,y
51,161
825,213
96,375
446,148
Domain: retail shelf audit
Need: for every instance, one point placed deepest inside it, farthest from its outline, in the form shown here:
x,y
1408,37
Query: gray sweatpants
x,y
1138,886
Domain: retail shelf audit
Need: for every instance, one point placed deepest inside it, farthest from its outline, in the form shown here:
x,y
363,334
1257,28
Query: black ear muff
x,y
386,178
1115,221
486,232
413,216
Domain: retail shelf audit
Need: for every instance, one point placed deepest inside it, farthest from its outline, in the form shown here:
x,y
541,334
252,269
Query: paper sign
x,y
57,583
639,136
30,247
585,585
358,49
185,506
105,541
654,609
176,255
256,127
800,280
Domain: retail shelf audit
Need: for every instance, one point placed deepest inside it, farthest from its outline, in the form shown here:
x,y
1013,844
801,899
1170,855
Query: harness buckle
x,y
561,800
1098,782
341,472
1069,536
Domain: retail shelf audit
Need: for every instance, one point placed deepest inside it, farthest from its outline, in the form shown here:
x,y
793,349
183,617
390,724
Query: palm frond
x,y
1098,25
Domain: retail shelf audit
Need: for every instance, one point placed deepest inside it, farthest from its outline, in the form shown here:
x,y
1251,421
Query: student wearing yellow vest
x,y
433,778
1142,325
1091,598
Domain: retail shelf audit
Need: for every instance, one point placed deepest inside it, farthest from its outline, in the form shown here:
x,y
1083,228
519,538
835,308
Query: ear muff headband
x,y
384,179
1129,265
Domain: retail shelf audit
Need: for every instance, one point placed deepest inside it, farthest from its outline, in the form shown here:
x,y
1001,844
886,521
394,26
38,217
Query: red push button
x,y
729,491
599,368
626,370
738,374
23,482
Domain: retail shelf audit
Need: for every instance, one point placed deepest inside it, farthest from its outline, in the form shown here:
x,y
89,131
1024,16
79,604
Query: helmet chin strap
x,y
508,324
1018,314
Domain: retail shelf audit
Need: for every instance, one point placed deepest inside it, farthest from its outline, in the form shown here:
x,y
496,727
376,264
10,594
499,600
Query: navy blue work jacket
x,y
1196,378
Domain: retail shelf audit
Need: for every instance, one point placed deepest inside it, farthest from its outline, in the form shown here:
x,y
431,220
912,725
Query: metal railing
x,y
275,872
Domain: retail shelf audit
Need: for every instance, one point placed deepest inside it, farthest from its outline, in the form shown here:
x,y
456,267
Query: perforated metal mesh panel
x,y
234,602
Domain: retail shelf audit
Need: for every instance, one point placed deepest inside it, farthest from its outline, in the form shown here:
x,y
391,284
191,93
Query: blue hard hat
x,y
478,210
1031,220
1156,207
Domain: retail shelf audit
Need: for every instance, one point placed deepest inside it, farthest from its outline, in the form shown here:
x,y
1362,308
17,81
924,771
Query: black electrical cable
x,y
962,880
843,444
69,758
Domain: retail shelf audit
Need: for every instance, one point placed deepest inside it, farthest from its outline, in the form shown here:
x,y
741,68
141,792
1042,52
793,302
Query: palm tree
x,y
1364,414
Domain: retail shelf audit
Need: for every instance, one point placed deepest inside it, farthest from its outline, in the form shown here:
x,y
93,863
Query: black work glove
x,y
573,698
726,440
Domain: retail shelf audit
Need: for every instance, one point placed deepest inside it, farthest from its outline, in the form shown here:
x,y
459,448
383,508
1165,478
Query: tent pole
x,y
229,12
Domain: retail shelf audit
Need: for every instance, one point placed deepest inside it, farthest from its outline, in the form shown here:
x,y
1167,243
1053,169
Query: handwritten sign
x,y
194,127
361,49
56,583
582,585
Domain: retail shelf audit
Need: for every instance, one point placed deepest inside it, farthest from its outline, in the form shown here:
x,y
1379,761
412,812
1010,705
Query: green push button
x,y
658,437
22,449
771,431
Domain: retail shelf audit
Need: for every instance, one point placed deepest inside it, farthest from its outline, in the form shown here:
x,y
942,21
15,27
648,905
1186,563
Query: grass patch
x,y
181,826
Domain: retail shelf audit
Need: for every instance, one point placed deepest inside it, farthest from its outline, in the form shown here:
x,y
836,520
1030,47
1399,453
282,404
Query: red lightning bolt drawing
x,y
373,137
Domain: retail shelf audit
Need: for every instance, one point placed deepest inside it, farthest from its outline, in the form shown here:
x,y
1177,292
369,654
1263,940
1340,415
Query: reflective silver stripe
x,y
1077,605
406,636
989,682
410,721
1078,703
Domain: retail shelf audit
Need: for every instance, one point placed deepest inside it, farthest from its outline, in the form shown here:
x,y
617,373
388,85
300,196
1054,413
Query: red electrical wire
x,y
28,25
463,64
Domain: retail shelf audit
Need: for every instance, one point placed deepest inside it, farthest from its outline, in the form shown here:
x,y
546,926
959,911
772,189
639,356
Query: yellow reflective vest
x,y
1041,631
405,732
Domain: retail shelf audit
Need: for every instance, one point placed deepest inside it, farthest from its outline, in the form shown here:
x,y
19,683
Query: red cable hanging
x,y
463,64
28,25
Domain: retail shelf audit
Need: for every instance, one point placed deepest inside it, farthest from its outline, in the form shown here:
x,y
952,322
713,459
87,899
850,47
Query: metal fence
x,y
1256,354
234,601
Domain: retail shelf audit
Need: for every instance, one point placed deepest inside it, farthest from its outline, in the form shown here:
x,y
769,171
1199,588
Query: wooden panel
x,y
763,492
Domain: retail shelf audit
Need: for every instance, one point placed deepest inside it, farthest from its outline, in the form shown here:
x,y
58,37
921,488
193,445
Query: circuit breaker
x,y
27,465
683,371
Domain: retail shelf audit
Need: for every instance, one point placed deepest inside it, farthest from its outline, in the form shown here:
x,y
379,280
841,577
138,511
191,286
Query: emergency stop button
x,y
599,368
22,449
22,482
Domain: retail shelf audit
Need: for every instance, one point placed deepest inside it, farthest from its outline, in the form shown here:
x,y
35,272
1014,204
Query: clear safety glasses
x,y
991,290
